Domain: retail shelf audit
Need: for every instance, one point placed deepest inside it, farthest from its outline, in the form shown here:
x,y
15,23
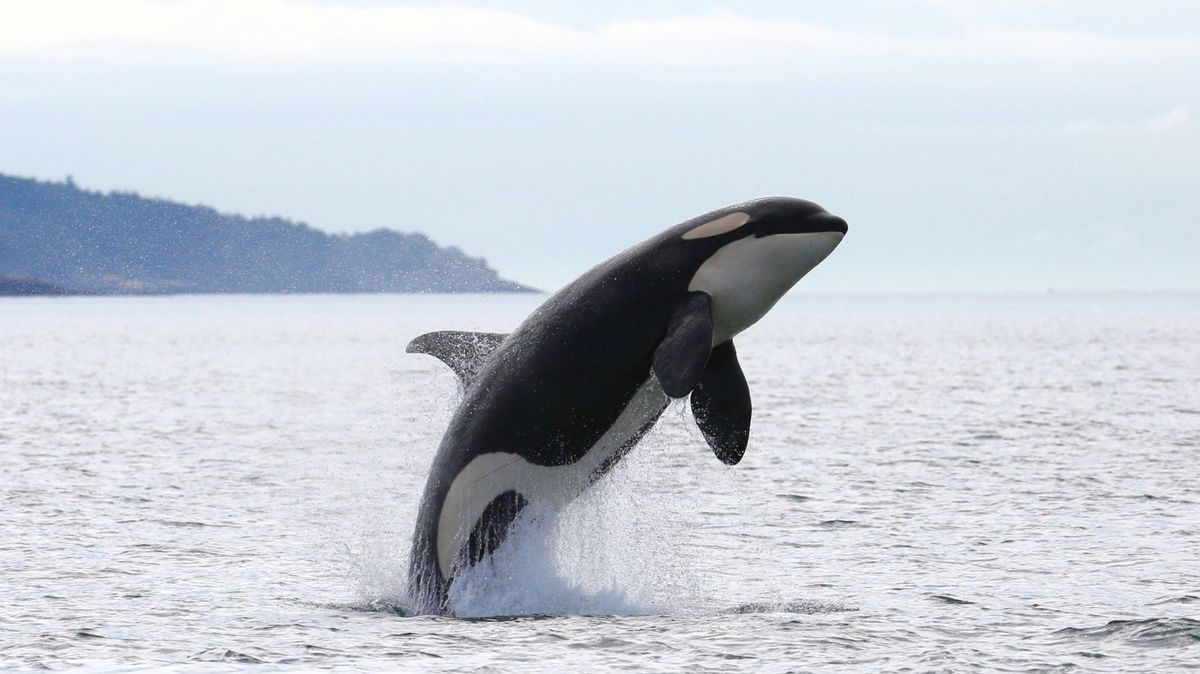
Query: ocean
x,y
933,483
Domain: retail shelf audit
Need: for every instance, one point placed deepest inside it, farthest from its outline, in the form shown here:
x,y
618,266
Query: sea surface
x,y
933,483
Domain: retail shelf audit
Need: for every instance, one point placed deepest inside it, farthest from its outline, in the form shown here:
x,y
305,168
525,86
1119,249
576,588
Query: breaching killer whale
x,y
549,408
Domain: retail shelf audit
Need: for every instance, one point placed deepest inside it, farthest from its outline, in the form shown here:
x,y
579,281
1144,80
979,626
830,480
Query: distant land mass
x,y
58,239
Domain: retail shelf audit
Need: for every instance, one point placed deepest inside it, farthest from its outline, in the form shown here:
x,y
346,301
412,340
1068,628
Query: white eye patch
x,y
725,223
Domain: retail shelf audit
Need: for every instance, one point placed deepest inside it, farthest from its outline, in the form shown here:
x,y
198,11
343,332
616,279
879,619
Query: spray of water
x,y
611,552
616,550
625,547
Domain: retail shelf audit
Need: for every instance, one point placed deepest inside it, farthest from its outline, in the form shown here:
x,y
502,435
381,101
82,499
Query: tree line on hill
x,y
57,239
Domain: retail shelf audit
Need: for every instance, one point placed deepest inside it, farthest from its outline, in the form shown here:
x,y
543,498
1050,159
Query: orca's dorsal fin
x,y
683,352
721,404
464,352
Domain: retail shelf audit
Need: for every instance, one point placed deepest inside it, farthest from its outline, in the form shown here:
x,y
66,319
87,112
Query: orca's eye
x,y
725,223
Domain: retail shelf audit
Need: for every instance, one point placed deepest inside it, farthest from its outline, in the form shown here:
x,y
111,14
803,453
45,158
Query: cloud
x,y
720,31
1082,126
1178,117
1175,118
286,30
273,29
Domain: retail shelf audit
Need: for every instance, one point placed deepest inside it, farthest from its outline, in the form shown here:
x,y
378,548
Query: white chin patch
x,y
746,277
725,223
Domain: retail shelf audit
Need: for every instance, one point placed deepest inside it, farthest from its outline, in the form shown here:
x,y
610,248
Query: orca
x,y
549,408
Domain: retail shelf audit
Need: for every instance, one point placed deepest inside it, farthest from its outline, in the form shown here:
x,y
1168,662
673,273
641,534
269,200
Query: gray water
x,y
933,483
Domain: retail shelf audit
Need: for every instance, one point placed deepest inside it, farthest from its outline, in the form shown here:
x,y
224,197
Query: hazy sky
x,y
971,145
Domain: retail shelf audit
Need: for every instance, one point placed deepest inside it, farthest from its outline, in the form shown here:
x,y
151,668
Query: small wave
x,y
947,599
802,607
988,435
1184,599
390,607
187,524
225,655
1147,632
839,524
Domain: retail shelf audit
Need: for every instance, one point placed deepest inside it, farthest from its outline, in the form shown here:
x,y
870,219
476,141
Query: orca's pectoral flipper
x,y
464,352
721,405
682,354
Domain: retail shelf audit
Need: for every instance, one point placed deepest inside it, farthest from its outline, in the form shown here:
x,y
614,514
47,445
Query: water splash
x,y
525,577
614,551
620,549
378,574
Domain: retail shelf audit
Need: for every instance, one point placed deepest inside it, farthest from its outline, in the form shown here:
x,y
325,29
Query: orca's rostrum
x,y
550,407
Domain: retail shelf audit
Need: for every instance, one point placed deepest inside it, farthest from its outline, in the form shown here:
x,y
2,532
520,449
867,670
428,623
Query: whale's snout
x,y
793,216
824,231
826,242
828,222
822,221
808,250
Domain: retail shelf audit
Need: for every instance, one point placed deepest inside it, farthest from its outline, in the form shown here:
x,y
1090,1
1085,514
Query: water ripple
x,y
932,484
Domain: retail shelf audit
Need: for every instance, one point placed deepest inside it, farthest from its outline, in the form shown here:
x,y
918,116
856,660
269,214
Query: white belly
x,y
490,475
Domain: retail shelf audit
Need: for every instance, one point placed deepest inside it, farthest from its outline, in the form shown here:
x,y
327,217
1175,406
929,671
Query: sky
x,y
987,145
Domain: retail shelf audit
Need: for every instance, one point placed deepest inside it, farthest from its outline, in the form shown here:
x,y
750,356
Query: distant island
x,y
58,239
